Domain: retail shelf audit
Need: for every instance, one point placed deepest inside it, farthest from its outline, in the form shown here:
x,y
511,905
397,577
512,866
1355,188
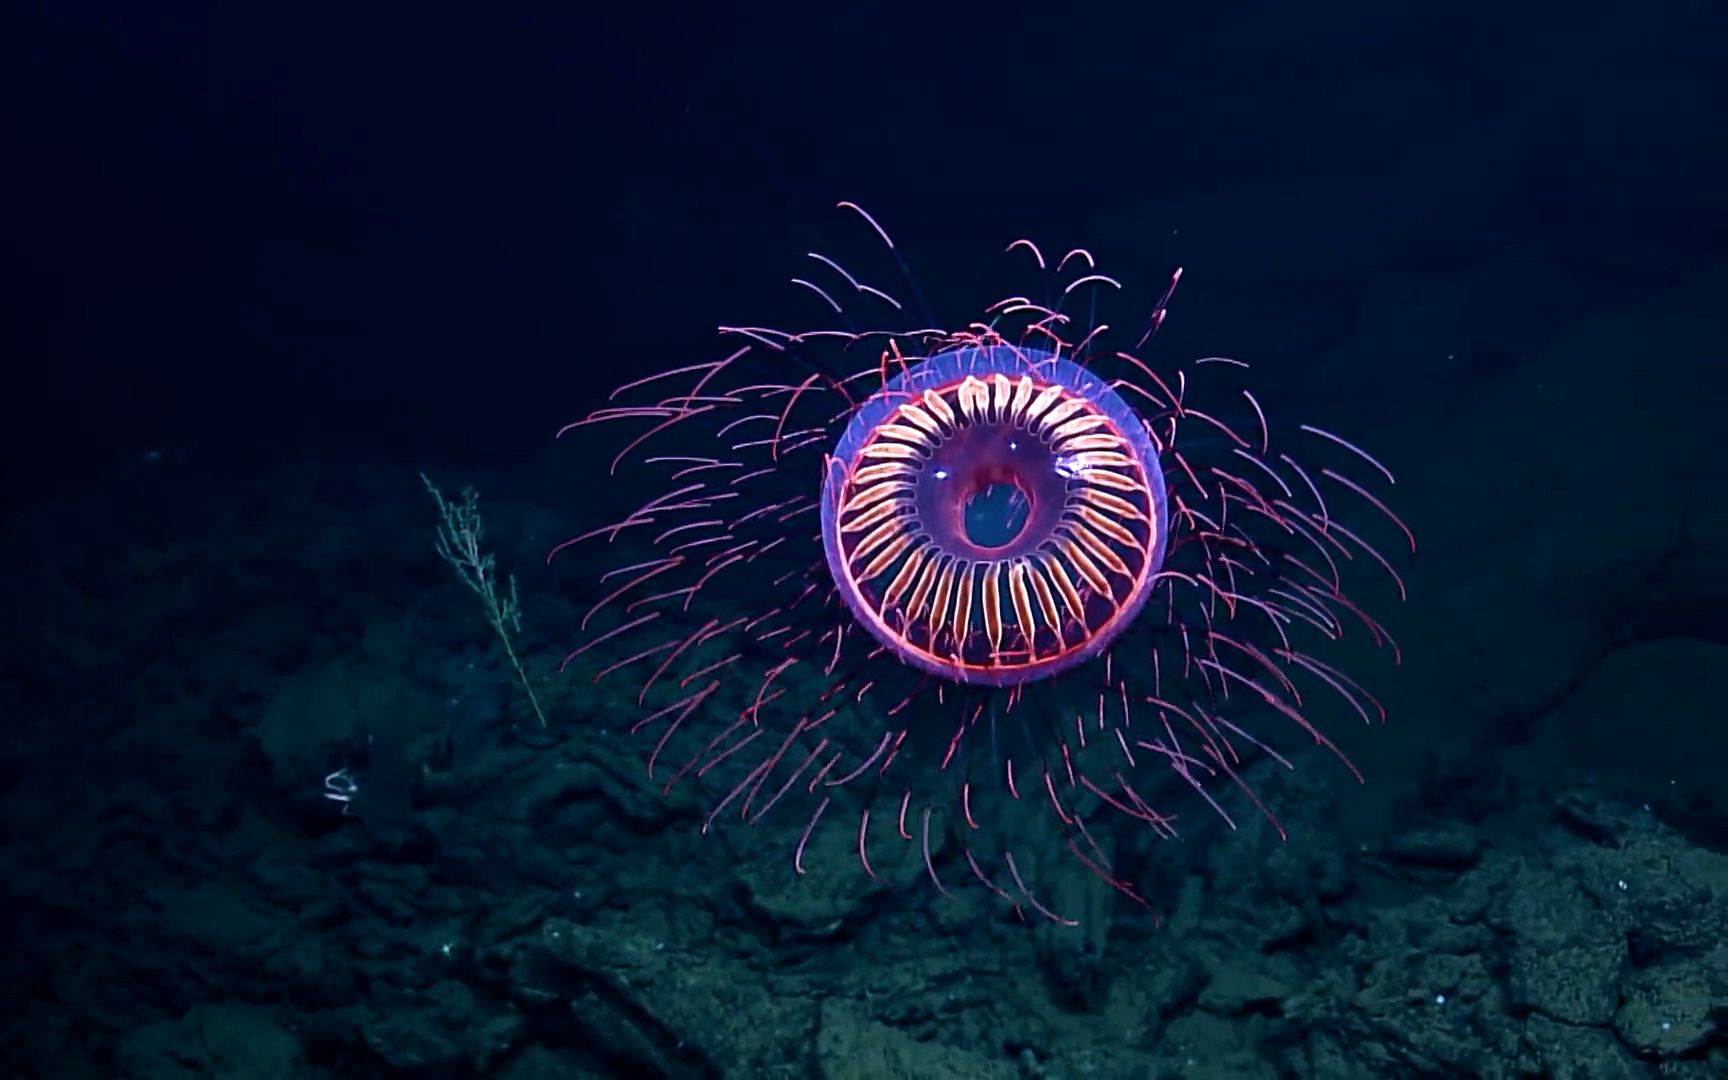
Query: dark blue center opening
x,y
995,514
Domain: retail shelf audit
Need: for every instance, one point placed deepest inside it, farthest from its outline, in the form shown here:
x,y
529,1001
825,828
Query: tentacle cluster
x,y
810,620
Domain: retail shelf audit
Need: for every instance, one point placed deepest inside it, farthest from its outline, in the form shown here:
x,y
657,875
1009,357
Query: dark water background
x,y
271,262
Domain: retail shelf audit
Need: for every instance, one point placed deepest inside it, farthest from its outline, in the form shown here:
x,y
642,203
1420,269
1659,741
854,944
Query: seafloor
x,y
1532,882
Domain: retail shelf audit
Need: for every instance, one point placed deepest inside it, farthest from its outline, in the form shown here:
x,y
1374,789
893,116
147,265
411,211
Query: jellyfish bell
x,y
1048,574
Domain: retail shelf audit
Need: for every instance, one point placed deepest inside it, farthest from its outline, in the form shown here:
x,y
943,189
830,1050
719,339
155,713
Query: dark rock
x,y
1445,847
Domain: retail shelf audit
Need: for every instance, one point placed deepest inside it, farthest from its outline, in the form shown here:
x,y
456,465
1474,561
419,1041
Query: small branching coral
x,y
459,533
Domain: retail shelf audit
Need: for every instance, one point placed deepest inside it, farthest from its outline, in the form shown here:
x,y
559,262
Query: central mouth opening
x,y
996,512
